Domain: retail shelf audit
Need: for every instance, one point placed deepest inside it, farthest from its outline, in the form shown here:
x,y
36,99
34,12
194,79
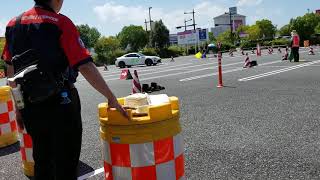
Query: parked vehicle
x,y
134,59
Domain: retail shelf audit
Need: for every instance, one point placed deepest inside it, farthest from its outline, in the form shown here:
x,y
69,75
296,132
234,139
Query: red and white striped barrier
x,y
247,62
26,151
136,86
8,125
158,160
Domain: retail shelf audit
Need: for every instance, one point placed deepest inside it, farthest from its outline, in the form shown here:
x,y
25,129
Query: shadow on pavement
x,y
84,169
10,149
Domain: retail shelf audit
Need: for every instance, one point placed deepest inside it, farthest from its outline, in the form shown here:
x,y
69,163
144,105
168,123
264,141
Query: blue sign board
x,y
203,35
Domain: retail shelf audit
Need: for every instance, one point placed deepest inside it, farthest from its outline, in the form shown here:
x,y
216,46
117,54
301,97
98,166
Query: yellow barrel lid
x,y
5,93
110,116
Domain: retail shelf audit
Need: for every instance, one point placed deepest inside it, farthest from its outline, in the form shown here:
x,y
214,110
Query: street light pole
x,y
150,18
194,20
231,28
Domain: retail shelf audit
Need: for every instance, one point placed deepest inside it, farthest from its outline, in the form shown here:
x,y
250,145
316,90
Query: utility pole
x,y
150,18
194,20
185,25
194,27
146,23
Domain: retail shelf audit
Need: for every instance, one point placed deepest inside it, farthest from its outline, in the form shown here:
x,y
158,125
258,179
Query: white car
x,y
134,59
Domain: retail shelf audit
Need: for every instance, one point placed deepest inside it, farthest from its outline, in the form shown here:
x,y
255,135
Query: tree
x,y
254,32
133,36
106,49
212,38
305,25
267,29
159,35
285,30
225,37
317,29
88,35
2,65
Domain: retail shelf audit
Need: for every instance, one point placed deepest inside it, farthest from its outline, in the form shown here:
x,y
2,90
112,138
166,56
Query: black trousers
x,y
295,51
56,131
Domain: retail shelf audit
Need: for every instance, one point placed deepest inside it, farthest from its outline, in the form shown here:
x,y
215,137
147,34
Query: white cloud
x,y
115,14
248,2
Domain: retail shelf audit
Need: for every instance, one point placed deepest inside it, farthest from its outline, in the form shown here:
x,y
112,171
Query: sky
x,y
110,16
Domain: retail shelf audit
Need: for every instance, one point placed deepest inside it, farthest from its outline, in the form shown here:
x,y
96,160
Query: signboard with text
x,y
192,37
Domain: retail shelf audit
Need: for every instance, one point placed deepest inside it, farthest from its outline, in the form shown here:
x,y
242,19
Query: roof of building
x,y
227,14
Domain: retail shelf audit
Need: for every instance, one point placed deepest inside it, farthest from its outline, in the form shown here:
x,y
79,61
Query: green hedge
x,y
149,52
2,64
109,58
174,51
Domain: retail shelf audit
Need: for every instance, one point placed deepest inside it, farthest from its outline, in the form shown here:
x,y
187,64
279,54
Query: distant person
x,y
295,45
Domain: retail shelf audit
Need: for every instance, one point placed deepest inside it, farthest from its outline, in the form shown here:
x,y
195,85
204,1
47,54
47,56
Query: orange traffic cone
x,y
136,86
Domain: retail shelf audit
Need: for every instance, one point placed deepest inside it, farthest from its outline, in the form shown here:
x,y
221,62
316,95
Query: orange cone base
x,y
220,86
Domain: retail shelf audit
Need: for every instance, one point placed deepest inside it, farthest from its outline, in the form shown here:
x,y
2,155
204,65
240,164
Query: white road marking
x,y
145,70
175,74
223,72
208,75
91,174
277,71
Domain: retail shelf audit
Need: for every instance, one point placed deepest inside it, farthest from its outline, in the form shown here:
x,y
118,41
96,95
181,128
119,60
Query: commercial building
x,y
222,22
318,11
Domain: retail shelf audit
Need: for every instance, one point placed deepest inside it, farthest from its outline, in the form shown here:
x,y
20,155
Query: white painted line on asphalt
x,y
223,72
208,75
167,75
277,71
149,69
91,174
145,70
186,72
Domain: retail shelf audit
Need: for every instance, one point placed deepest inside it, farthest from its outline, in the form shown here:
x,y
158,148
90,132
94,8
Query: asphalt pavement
x,y
264,124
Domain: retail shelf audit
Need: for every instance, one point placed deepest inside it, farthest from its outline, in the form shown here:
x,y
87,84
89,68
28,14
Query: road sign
x,y
203,35
233,10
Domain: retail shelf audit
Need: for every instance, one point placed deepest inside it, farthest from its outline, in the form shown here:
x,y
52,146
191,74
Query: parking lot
x,y
264,124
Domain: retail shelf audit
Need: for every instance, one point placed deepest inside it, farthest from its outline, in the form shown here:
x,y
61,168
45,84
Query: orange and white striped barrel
x,y
2,74
158,160
8,125
147,147
26,151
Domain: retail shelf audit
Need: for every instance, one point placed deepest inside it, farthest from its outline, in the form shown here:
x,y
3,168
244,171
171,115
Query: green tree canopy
x,y
285,30
305,25
106,48
267,29
134,36
317,29
254,32
159,35
212,38
225,37
88,35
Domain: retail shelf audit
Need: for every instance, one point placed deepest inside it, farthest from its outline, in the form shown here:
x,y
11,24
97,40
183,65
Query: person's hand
x,y
19,120
113,103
